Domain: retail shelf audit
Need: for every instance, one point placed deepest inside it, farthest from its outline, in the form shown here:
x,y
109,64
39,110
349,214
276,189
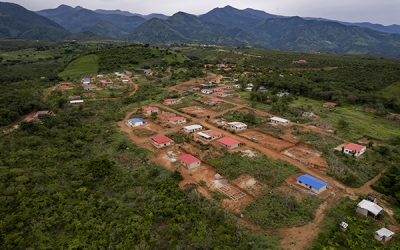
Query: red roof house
x,y
221,94
189,161
161,141
329,104
150,109
355,149
171,101
215,100
229,142
177,120
46,112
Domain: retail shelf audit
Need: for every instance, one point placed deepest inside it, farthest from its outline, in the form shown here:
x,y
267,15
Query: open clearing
x,y
82,67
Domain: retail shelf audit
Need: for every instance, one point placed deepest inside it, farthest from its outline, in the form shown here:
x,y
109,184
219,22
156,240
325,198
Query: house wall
x,y
136,124
192,130
177,122
152,111
350,152
312,189
160,145
193,165
237,128
281,123
377,237
362,211
229,147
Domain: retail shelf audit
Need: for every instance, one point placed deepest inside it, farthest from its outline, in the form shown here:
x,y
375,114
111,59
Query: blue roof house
x,y
89,88
312,184
207,91
136,122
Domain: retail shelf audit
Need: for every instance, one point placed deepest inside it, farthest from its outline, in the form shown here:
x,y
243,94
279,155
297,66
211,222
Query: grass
x,y
28,55
273,210
360,124
82,67
145,133
36,69
392,91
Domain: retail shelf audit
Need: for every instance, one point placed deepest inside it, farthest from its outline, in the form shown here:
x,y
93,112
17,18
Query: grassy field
x,y
175,58
360,124
27,55
37,69
83,67
392,90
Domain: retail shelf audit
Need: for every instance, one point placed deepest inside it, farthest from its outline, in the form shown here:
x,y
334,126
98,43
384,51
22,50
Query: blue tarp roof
x,y
312,181
86,79
89,87
262,88
135,120
207,89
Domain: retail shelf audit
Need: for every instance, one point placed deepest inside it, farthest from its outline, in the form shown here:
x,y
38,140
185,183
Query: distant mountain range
x,y
221,26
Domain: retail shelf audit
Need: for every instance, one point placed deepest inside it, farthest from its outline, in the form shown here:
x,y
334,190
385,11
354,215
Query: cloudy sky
x,y
375,11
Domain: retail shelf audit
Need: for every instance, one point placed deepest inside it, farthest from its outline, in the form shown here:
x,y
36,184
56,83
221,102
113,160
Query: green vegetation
x,y
392,91
274,210
360,231
250,118
271,172
389,183
85,66
318,140
146,133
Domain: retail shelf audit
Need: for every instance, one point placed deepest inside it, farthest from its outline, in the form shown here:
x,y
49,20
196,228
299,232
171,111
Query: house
x,y
344,226
383,234
313,184
280,121
135,122
238,126
207,91
237,86
221,94
100,76
365,207
204,85
214,101
161,141
125,81
86,81
89,88
150,110
262,89
229,143
219,88
76,102
177,120
248,89
107,83
195,89
64,85
192,128
228,87
329,105
46,112
250,85
189,161
171,101
210,135
355,149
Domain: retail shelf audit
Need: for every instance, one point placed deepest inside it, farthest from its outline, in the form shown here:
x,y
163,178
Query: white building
x,y
383,234
210,135
177,120
365,207
237,86
237,126
207,91
189,161
192,128
136,122
248,89
76,102
355,149
280,121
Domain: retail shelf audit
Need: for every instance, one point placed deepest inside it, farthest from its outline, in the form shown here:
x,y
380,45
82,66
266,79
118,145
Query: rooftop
x,y
330,103
370,206
384,232
215,100
188,159
220,93
193,127
161,139
46,112
312,181
237,124
354,147
279,119
228,141
174,119
212,133
169,100
150,108
135,120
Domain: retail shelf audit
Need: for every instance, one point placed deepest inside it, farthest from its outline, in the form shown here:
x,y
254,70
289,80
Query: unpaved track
x,y
296,237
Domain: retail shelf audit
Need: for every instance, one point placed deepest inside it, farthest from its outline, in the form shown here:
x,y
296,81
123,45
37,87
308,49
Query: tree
x,y
342,123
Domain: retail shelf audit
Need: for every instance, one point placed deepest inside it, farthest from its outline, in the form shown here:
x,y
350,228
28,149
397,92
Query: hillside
x,y
57,11
186,28
108,29
77,21
87,36
18,22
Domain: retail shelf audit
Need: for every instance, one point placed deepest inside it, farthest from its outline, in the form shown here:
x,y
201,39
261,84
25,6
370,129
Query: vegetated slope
x,y
262,14
392,91
127,13
87,36
85,66
108,29
18,22
298,34
186,28
231,17
57,11
77,21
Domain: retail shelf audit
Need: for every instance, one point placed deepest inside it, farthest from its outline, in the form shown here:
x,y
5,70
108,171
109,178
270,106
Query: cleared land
x,y
82,67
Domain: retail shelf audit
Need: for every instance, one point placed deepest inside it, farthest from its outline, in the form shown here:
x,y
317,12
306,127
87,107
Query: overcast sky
x,y
375,11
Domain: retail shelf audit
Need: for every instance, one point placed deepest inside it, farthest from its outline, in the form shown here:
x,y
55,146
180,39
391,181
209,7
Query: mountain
x,y
81,20
108,29
127,13
186,28
309,35
18,22
231,17
57,11
262,14
87,36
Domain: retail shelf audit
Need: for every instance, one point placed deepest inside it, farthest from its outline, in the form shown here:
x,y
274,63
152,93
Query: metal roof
x,y
150,108
76,101
204,135
188,159
135,120
384,232
312,181
370,206
161,139
237,124
168,100
228,141
354,147
208,90
174,119
193,127
279,119
215,100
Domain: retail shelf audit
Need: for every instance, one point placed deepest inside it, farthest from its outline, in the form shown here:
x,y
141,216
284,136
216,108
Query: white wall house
x,y
311,183
177,120
192,128
210,135
383,234
135,122
238,126
189,161
207,91
355,149
366,207
150,110
281,121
